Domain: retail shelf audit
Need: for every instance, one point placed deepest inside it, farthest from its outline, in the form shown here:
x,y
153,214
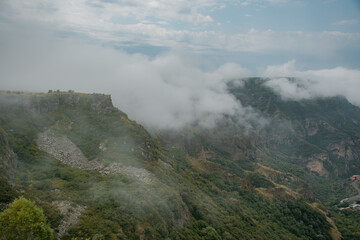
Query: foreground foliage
x,y
24,220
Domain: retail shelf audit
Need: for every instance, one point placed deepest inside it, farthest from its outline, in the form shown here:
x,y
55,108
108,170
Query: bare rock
x,y
316,164
71,215
63,149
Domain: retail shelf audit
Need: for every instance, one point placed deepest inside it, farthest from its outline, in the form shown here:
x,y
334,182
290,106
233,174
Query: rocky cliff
x,y
55,101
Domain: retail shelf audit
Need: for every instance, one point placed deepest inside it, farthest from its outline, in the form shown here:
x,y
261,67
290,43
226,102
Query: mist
x,y
167,91
314,83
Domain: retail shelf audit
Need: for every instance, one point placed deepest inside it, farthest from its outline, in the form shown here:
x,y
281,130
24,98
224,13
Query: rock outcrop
x,y
63,149
71,215
52,102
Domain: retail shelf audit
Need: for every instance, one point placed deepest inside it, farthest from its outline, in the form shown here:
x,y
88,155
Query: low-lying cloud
x,y
314,83
167,91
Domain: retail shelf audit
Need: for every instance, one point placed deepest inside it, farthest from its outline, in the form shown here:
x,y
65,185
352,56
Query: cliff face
x,y
94,102
52,102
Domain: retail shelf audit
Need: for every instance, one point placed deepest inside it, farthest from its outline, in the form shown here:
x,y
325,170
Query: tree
x,y
209,233
24,220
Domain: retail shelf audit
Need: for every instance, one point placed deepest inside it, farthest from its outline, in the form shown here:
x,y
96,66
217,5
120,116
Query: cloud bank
x,y
314,83
167,91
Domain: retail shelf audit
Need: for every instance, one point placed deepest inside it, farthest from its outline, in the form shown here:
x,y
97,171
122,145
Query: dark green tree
x,y
24,220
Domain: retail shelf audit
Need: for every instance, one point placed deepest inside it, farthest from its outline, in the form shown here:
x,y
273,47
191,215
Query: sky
x,y
173,58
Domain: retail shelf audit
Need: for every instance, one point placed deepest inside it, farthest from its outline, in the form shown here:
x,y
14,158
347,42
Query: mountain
x,y
97,174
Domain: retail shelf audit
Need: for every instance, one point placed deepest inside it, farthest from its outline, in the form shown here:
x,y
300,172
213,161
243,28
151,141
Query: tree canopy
x,y
24,220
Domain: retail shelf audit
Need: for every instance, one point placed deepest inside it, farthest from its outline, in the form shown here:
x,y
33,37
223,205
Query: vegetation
x,y
216,184
24,220
348,223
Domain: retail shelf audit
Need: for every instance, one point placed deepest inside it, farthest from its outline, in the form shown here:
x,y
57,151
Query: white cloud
x,y
167,91
277,1
314,83
140,22
249,2
316,43
346,22
98,12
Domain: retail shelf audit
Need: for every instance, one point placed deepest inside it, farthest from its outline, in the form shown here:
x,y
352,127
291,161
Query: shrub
x,y
24,220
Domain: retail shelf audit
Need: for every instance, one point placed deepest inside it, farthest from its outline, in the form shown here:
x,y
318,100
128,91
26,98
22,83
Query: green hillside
x,y
97,174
